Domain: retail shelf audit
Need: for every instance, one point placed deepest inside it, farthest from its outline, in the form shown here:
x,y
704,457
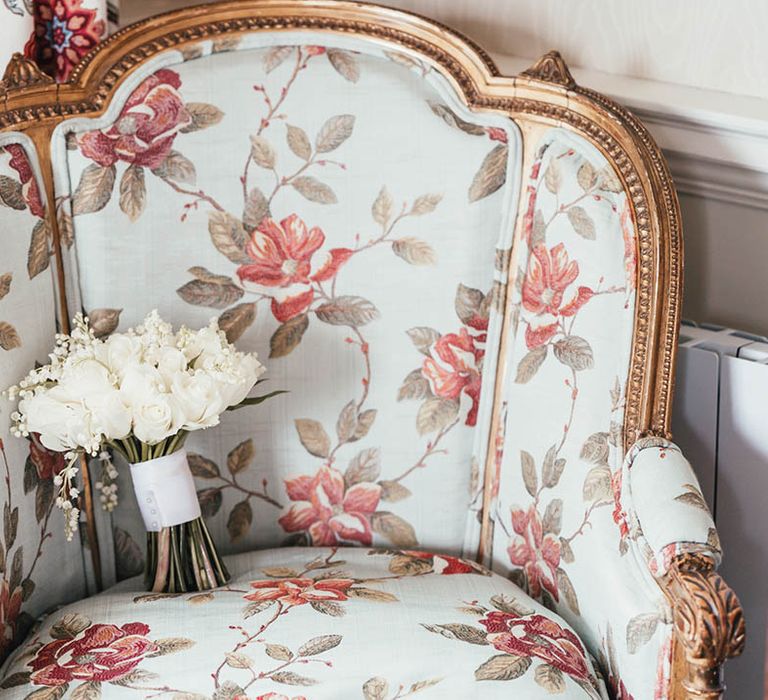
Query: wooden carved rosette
x,y
709,627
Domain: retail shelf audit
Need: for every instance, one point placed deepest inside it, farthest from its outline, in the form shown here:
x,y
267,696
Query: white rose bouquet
x,y
140,393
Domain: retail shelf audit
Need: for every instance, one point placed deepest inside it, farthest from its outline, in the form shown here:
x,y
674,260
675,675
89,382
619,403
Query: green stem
x,y
119,448
221,569
130,450
159,449
176,442
193,550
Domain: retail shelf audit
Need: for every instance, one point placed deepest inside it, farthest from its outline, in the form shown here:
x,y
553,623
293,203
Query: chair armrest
x,y
666,511
671,525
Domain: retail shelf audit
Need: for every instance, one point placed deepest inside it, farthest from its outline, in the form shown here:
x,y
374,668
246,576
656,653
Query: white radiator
x,y
720,420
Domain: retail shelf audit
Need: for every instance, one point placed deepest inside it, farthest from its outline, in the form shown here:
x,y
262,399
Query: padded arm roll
x,y
664,505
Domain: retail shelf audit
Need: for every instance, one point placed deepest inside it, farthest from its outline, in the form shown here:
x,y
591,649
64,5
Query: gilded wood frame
x,y
707,615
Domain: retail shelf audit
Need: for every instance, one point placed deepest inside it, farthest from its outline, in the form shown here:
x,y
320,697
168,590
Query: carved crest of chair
x,y
469,284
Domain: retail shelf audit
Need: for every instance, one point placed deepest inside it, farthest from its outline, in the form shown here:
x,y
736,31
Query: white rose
x,y
111,414
91,406
87,378
249,369
205,346
171,362
156,417
199,399
229,387
91,382
140,381
60,421
119,352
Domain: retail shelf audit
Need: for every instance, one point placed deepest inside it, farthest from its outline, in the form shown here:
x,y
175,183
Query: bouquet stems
x,y
181,558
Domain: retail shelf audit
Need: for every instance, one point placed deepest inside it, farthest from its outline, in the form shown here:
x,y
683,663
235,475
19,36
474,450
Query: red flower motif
x,y
619,516
46,462
20,163
284,262
536,552
331,512
314,50
619,690
497,134
535,337
549,273
452,368
498,453
10,608
98,653
630,251
146,128
540,637
64,32
449,565
530,210
583,295
298,591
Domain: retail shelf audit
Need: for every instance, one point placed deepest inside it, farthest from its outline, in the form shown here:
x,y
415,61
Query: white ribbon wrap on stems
x,y
165,491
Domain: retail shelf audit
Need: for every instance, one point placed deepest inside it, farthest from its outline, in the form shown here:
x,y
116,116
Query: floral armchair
x,y
470,286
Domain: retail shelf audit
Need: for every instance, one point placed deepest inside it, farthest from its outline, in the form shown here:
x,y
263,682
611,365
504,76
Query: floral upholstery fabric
x,y
352,244
38,569
661,507
311,623
555,516
342,214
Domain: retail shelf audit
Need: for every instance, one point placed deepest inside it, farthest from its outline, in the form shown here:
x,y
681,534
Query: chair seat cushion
x,y
310,623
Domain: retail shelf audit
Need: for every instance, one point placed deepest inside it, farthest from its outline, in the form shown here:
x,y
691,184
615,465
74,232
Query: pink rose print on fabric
x,y
549,274
145,130
329,511
536,552
20,163
446,565
298,591
286,263
537,636
97,653
452,368
523,636
619,515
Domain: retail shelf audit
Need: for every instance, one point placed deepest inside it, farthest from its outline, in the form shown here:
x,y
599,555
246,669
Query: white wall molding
x,y
714,179
716,143
716,155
